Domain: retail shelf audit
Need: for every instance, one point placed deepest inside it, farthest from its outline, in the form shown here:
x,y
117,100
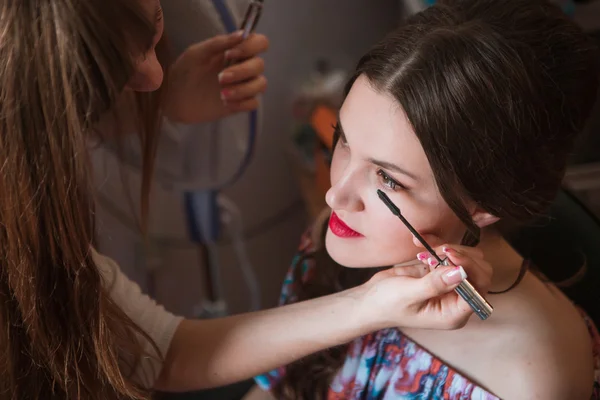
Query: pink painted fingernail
x,y
454,276
432,261
226,93
447,249
422,256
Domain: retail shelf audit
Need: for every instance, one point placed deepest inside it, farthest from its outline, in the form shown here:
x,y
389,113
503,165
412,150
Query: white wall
x,y
300,32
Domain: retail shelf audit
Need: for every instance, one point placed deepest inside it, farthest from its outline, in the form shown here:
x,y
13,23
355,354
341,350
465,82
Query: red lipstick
x,y
339,228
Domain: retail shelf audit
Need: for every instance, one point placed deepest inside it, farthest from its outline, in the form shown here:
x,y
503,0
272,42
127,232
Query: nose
x,y
344,195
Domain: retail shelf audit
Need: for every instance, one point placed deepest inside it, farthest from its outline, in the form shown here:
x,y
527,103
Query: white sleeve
x,y
151,317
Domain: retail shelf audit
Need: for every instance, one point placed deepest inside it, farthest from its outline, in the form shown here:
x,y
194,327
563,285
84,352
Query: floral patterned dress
x,y
389,365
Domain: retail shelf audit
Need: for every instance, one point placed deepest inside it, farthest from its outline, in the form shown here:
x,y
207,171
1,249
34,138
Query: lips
x,y
339,228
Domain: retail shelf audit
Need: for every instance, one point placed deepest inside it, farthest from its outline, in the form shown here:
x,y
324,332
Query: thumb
x,y
441,281
217,44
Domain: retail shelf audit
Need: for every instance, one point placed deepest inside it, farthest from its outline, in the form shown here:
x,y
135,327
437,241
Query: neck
x,y
505,261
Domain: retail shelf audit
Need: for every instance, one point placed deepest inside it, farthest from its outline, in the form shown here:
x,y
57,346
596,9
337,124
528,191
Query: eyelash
x,y
388,182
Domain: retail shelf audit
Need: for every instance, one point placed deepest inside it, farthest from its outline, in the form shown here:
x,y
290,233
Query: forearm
x,y
208,353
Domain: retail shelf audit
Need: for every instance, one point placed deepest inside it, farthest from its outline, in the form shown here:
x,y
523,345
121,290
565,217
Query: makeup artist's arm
x,y
208,353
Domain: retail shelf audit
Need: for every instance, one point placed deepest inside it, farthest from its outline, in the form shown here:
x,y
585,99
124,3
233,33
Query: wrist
x,y
367,315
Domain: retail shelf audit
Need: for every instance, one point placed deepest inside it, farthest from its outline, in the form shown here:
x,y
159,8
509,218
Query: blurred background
x,y
231,199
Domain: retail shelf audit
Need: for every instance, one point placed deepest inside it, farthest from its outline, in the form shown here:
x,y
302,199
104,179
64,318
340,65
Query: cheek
x,y
390,240
435,222
391,237
148,75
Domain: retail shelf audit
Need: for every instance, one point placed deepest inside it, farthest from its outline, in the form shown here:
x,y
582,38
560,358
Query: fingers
x,y
447,250
216,45
241,72
444,308
254,45
441,281
467,261
413,271
471,259
477,268
244,91
428,260
242,82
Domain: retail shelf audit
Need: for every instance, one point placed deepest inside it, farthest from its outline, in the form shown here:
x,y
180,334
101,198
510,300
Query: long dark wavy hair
x,y
65,64
496,92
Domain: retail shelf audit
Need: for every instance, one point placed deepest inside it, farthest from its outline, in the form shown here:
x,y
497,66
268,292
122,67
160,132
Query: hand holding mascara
x,y
465,289
251,18
241,77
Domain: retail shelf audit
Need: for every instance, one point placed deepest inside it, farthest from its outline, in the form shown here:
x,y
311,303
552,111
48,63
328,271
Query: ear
x,y
483,218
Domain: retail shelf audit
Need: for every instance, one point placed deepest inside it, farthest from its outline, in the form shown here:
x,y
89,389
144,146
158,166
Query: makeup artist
x,y
73,326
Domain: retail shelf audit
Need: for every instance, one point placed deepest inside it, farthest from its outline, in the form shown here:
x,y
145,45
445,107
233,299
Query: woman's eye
x,y
388,182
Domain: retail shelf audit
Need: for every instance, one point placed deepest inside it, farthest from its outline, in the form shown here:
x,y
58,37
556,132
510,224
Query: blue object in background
x,y
201,205
569,7
203,216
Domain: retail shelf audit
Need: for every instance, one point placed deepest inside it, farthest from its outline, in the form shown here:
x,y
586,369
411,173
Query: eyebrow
x,y
393,167
383,164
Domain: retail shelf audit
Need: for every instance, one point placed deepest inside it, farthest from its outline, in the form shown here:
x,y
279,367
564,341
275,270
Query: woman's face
x,y
378,149
148,75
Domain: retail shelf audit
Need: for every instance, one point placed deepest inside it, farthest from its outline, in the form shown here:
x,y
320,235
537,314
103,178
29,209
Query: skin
x,y
199,89
374,128
539,344
148,75
209,353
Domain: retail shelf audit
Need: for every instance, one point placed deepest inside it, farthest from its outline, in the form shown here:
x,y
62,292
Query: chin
x,y
347,252
360,253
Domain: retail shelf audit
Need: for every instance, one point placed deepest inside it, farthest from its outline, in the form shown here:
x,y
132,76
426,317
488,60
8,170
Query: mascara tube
x,y
478,304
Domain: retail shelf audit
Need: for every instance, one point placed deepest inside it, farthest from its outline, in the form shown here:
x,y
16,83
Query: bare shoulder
x,y
545,348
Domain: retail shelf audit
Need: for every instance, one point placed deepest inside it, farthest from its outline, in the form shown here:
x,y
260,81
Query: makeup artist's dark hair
x,y
496,92
65,64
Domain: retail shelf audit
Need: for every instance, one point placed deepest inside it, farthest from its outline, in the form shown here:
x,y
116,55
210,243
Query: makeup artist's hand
x,y
414,297
200,90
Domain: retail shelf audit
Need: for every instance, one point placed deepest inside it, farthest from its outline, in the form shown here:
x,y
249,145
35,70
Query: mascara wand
x,y
465,289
